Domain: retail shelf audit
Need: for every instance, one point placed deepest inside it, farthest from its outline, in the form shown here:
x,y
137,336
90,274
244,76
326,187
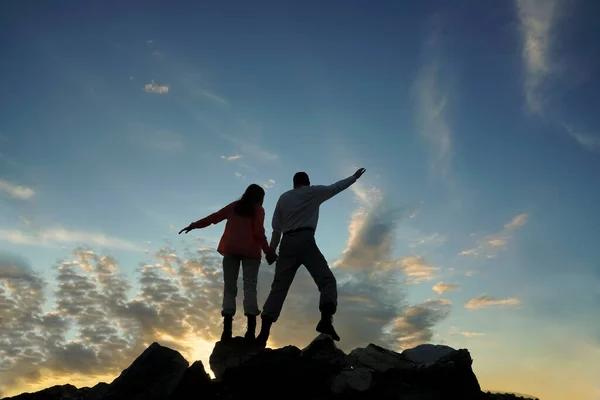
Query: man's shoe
x,y
265,330
326,327
227,327
251,329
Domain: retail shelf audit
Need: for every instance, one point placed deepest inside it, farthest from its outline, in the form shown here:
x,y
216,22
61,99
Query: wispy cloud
x,y
157,54
149,41
443,287
55,236
153,87
537,19
517,221
491,244
240,175
215,98
433,100
455,331
269,184
232,158
252,149
587,140
489,301
16,191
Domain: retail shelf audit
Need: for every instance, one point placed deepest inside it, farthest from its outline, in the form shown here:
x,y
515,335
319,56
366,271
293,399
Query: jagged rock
x,y
427,354
379,359
320,371
195,380
57,392
153,375
323,348
231,353
97,392
283,372
352,379
64,392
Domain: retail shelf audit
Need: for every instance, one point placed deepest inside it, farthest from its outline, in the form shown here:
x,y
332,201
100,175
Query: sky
x,y
475,224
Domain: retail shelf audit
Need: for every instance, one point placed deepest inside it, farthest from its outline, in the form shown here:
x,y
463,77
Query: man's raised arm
x,y
326,192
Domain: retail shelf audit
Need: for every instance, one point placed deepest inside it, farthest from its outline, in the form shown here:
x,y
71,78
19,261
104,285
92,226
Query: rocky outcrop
x,y
320,371
153,375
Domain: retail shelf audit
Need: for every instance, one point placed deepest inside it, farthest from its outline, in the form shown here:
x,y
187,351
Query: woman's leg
x,y
231,270
250,276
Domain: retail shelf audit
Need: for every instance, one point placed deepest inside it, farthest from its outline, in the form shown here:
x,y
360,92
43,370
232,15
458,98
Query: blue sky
x,y
120,124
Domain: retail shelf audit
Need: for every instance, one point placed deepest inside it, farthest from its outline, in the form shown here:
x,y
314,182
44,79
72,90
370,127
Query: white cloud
x,y
16,191
269,184
240,175
537,19
157,54
57,236
153,87
488,301
149,41
443,287
232,158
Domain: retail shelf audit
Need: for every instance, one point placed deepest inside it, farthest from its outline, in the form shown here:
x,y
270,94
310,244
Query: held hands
x,y
359,173
271,256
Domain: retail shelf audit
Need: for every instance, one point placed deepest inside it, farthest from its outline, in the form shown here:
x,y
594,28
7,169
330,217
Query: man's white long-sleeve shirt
x,y
299,208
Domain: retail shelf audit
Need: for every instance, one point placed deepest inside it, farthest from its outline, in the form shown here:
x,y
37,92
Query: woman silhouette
x,y
242,243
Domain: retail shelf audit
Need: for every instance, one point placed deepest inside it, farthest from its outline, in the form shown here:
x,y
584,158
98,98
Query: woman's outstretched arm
x,y
213,218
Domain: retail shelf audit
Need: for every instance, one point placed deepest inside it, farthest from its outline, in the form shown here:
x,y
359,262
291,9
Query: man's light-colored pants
x,y
231,271
300,249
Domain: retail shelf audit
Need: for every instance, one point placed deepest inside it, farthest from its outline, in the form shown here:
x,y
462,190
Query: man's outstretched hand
x,y
359,173
187,229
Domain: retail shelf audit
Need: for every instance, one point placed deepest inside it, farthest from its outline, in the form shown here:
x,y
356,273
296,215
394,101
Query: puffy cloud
x,y
415,325
16,191
488,301
443,287
153,87
269,184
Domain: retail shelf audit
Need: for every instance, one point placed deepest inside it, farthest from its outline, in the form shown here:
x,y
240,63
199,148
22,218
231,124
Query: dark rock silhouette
x,y
320,371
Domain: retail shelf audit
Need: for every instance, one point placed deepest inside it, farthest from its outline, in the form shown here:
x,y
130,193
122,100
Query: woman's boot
x,y
251,329
227,327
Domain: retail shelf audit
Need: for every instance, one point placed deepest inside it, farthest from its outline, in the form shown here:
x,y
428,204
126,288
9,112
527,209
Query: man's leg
x,y
231,270
285,271
250,268
317,266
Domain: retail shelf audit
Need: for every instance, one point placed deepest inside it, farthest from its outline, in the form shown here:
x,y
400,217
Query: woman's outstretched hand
x,y
187,229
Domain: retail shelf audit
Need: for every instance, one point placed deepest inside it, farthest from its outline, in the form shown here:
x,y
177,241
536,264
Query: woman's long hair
x,y
252,197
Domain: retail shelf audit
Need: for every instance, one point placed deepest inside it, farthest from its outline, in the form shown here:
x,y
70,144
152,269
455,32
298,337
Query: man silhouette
x,y
296,215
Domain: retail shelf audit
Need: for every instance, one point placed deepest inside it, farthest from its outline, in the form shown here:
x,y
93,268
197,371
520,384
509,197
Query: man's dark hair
x,y
301,179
